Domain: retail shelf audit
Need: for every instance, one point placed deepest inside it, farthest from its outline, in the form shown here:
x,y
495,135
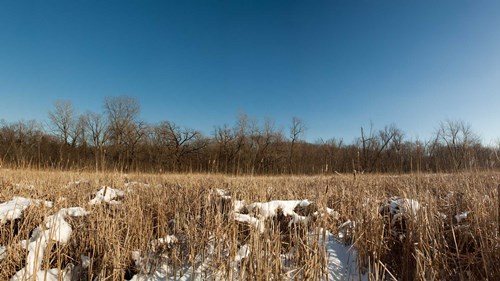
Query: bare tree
x,y
373,144
368,142
241,133
77,132
459,139
268,153
63,120
225,139
180,142
96,127
122,113
297,130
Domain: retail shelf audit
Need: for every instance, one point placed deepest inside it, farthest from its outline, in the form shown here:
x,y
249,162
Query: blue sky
x,y
337,65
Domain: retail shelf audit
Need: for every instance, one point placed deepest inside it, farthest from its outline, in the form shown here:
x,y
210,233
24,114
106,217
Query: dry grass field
x,y
216,227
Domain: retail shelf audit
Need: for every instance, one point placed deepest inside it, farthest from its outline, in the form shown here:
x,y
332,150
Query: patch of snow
x,y
167,240
250,220
223,194
269,209
259,212
345,230
462,216
85,261
401,207
73,184
130,185
332,213
53,274
107,195
342,260
14,208
24,186
3,252
242,253
238,205
164,271
55,228
442,216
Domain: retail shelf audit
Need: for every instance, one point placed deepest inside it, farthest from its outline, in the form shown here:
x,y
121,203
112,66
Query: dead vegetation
x,y
452,235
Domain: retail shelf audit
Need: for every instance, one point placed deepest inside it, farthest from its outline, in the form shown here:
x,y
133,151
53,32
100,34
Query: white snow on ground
x,y
345,230
24,186
167,240
55,228
332,213
14,208
3,252
238,205
401,207
77,183
462,216
223,194
200,271
243,252
107,195
129,186
342,261
270,209
259,212
48,275
250,220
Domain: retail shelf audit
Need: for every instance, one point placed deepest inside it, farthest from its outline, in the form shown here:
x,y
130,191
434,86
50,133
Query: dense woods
x,y
118,140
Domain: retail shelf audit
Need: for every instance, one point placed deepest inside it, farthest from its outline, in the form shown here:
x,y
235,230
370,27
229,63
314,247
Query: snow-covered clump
x,y
24,186
244,218
78,183
57,229
238,205
167,240
270,209
461,217
223,194
346,232
398,208
332,213
14,208
129,186
397,213
259,212
107,195
243,252
3,252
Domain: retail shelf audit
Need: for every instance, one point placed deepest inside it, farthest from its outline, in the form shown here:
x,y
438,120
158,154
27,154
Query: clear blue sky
x,y
337,65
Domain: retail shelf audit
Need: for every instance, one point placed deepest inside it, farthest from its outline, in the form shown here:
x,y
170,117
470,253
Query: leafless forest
x,y
117,140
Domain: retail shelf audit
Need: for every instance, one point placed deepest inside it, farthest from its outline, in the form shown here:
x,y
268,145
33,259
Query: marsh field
x,y
110,226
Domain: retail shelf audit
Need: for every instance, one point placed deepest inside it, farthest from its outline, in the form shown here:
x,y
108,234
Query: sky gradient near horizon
x,y
337,65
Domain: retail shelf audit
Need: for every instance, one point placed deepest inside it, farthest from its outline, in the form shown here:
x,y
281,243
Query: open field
x,y
214,227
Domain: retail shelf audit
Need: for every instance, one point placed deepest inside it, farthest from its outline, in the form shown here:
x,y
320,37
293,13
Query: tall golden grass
x,y
433,245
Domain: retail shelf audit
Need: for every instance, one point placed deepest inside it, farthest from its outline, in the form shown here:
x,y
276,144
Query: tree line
x,y
118,140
